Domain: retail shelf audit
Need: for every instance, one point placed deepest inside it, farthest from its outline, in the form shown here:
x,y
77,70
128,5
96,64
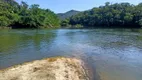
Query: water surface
x,y
115,53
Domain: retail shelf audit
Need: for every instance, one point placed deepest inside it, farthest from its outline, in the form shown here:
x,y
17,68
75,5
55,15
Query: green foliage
x,y
140,22
77,26
25,16
22,15
4,21
111,15
128,17
65,23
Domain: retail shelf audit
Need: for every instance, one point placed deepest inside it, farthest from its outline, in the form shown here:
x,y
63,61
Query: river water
x,y
115,53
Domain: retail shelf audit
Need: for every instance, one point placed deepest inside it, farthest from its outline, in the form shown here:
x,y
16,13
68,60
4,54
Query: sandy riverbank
x,y
57,68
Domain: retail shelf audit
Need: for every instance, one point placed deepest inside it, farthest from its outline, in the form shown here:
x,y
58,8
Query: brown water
x,y
115,53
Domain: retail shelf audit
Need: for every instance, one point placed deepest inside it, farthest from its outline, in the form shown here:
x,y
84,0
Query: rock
x,y
58,68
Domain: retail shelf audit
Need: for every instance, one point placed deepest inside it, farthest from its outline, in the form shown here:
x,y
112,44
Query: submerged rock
x,y
57,68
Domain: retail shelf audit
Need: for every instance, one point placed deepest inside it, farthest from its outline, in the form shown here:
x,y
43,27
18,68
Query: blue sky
x,y
61,6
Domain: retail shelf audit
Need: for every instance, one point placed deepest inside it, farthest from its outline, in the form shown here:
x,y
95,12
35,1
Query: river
x,y
115,53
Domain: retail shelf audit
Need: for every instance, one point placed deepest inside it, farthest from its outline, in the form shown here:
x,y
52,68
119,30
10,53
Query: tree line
x,y
22,15
118,15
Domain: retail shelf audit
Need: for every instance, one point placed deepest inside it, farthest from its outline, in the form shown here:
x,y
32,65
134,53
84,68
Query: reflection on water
x,y
17,46
115,53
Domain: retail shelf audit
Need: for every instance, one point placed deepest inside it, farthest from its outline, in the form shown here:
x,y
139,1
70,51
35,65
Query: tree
x,y
22,16
140,22
65,23
122,15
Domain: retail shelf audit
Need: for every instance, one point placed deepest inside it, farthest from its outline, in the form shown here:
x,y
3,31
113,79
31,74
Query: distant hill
x,y
68,14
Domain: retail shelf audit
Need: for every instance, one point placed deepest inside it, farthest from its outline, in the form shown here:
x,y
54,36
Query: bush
x,y
4,21
140,22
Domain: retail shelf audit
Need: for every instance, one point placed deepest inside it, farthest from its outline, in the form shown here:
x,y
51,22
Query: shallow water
x,y
115,53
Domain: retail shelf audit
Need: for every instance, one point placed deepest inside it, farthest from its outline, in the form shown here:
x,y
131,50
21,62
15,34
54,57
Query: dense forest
x,y
118,15
22,15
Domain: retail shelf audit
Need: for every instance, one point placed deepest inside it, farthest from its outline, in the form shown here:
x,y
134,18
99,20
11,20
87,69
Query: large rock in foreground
x,y
58,68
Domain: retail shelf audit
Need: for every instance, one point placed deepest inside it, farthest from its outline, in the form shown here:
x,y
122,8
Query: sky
x,y
61,6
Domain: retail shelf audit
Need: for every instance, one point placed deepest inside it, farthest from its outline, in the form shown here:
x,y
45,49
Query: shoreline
x,y
61,27
57,68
